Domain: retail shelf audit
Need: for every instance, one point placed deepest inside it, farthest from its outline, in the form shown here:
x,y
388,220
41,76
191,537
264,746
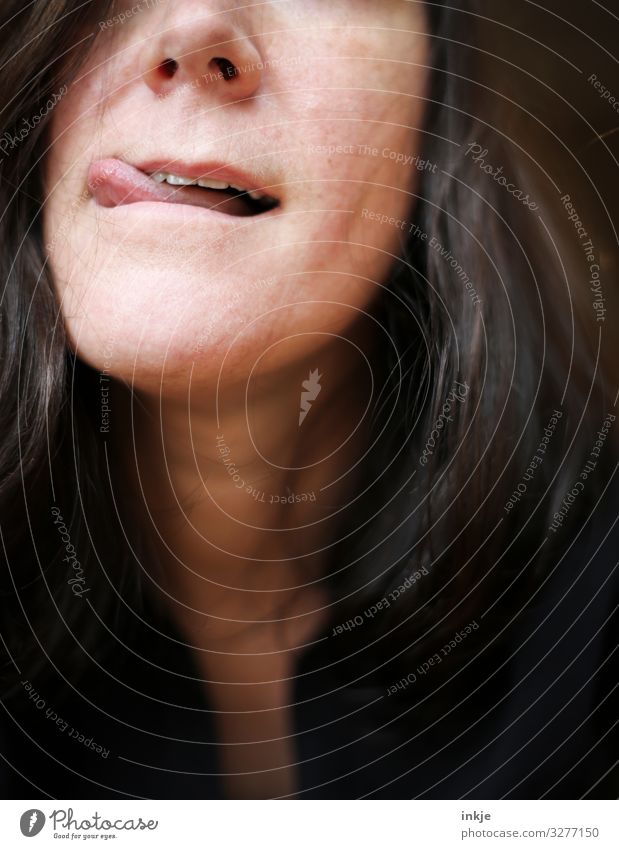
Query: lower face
x,y
153,292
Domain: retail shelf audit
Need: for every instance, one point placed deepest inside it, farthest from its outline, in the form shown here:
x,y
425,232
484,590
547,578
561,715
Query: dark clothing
x,y
542,724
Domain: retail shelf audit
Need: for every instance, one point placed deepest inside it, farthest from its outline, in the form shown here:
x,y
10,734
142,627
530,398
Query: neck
x,y
242,500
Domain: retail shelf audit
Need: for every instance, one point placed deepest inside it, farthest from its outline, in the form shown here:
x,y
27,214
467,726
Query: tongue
x,y
115,183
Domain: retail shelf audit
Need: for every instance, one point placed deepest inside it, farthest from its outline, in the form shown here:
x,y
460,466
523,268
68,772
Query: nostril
x,y
226,67
168,67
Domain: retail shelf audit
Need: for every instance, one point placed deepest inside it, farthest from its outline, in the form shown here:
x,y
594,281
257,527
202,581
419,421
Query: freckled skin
x,y
139,295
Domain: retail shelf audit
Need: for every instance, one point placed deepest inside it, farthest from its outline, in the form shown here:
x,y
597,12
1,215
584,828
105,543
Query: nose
x,y
200,48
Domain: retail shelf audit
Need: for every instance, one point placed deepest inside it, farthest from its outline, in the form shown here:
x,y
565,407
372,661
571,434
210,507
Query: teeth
x,y
174,180
213,184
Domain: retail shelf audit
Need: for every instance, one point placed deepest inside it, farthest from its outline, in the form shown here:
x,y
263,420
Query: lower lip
x,y
183,213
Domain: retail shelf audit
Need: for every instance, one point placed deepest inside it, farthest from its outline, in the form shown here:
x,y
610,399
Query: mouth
x,y
113,182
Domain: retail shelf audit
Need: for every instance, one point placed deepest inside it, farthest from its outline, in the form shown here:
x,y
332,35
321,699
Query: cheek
x,y
369,198
363,165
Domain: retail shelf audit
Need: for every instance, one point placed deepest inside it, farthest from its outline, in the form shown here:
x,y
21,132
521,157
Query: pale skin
x,y
147,299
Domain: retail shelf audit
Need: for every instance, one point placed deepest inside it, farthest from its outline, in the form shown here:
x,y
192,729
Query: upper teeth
x,y
174,180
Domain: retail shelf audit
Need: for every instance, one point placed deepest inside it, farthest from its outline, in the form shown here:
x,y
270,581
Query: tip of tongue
x,y
112,183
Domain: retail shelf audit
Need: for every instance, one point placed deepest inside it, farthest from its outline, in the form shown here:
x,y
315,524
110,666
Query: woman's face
x,y
315,103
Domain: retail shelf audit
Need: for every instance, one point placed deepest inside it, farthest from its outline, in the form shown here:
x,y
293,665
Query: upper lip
x,y
209,170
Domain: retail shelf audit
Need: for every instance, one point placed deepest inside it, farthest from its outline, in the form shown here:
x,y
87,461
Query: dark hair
x,y
486,315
